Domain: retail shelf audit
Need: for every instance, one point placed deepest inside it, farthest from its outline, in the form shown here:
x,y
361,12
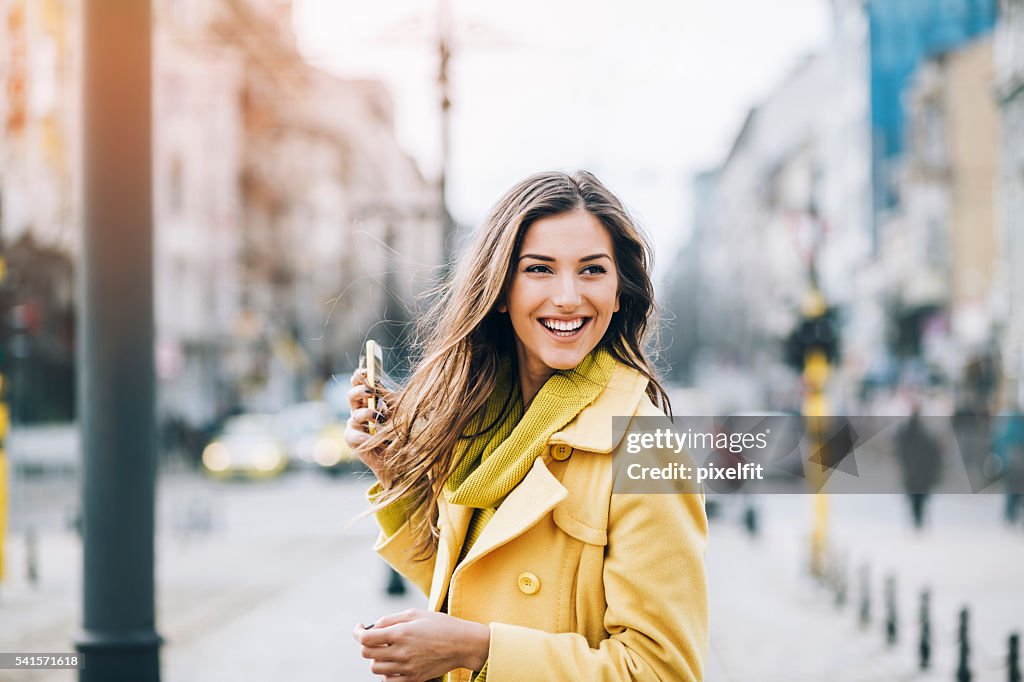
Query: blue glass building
x,y
904,33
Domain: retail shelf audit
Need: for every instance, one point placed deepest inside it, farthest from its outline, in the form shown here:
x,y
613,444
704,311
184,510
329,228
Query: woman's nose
x,y
568,296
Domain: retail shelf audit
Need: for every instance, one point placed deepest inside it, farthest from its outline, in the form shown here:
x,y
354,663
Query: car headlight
x,y
266,457
327,452
216,456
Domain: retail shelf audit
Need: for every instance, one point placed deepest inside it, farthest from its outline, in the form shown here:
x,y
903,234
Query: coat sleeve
x,y
394,543
657,604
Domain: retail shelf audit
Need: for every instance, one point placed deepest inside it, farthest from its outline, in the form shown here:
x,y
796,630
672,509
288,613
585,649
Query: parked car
x,y
332,454
299,427
248,446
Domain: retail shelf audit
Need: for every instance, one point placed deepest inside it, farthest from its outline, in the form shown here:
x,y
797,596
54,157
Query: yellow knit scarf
x,y
499,446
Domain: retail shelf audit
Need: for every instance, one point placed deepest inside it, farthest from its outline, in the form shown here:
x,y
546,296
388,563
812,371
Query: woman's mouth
x,y
564,329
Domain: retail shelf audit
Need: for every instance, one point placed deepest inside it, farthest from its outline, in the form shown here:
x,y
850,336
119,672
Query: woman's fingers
x,y
360,393
365,414
399,617
376,637
388,668
355,434
378,653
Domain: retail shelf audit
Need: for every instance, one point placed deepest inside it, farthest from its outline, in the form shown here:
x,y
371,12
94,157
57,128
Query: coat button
x,y
528,583
561,452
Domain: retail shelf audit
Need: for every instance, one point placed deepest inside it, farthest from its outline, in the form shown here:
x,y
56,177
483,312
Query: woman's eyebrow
x,y
552,260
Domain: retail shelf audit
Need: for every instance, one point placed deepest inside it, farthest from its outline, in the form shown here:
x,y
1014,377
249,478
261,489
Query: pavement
x,y
265,581
772,621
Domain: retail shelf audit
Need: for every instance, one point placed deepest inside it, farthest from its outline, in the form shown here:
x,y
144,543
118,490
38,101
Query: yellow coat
x,y
576,583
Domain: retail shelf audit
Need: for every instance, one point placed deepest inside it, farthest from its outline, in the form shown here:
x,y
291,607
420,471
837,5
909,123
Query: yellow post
x,y
816,412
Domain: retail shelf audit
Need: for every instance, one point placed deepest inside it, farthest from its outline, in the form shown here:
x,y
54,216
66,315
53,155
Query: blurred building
x,y
903,33
1009,82
40,206
288,221
939,245
298,211
788,208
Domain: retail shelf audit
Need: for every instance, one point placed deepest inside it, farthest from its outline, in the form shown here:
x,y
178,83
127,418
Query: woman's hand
x,y
355,429
417,645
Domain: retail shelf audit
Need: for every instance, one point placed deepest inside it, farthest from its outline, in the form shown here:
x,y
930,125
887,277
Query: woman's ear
x,y
502,308
616,308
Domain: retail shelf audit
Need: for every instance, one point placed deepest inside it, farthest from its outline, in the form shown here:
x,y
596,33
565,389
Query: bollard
x,y
963,671
750,521
925,648
890,610
841,579
865,596
32,556
841,588
1013,659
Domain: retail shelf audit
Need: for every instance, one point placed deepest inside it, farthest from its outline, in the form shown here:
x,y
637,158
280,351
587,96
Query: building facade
x,y
288,221
1009,89
788,210
940,246
902,34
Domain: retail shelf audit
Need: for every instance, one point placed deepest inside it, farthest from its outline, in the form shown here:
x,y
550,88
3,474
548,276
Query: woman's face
x,y
563,293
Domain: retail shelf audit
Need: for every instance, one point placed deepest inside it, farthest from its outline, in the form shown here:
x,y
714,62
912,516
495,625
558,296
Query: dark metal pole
x,y
116,402
925,647
890,610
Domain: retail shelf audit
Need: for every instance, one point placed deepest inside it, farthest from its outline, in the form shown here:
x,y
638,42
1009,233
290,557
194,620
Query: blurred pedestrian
x,y
494,463
972,430
1008,444
920,459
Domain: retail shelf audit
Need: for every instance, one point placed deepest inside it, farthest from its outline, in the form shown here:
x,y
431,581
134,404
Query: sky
x,y
643,93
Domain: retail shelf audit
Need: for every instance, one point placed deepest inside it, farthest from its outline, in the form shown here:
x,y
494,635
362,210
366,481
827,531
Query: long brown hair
x,y
463,338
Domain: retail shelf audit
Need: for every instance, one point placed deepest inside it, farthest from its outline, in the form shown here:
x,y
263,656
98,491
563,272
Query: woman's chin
x,y
565,359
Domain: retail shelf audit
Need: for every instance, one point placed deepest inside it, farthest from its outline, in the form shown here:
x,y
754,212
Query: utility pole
x,y
116,401
444,47
446,37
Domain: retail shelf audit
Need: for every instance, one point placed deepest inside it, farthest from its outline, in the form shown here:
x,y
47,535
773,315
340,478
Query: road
x,y
264,581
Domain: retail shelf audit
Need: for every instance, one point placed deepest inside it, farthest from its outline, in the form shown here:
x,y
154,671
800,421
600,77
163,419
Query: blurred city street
x,y
263,581
209,207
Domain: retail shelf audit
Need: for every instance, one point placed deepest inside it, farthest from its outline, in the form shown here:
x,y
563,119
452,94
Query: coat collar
x,y
592,428
536,495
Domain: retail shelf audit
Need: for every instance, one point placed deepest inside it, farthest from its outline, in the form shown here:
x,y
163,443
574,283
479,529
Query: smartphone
x,y
374,363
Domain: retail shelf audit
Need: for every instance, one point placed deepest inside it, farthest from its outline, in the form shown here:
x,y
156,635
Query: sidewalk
x,y
771,621
272,592
274,589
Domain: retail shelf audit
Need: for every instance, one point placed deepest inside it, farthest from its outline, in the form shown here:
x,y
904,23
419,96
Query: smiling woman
x,y
561,301
494,463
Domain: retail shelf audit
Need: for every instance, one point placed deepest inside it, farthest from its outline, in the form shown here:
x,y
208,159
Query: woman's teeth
x,y
564,327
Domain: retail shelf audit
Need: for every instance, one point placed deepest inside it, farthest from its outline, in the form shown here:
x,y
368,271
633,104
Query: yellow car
x,y
247,447
331,453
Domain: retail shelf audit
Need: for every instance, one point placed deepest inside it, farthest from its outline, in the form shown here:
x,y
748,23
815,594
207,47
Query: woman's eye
x,y
537,268
595,270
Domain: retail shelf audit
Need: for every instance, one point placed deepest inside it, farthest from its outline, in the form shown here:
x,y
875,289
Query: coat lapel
x,y
539,491
455,521
535,496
